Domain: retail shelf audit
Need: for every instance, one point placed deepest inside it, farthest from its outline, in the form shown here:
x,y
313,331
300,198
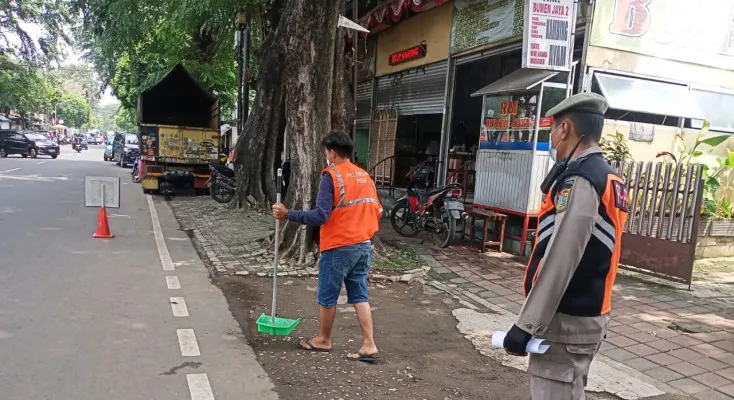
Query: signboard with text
x,y
697,32
478,22
406,55
547,34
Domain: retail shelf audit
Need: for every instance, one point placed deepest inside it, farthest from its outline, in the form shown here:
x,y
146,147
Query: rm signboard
x,y
406,55
547,34
697,32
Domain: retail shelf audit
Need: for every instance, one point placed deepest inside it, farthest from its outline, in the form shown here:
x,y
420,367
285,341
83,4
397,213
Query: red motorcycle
x,y
434,210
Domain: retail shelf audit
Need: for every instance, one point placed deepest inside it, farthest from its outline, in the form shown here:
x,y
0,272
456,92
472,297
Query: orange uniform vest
x,y
231,156
356,215
589,292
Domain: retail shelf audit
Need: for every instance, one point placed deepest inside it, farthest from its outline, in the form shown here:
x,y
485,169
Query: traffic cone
x,y
103,227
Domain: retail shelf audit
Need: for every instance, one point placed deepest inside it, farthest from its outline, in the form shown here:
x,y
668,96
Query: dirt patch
x,y
424,357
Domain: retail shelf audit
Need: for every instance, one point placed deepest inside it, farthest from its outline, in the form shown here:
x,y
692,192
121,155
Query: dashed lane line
x,y
10,170
178,306
173,283
199,387
160,242
187,342
41,162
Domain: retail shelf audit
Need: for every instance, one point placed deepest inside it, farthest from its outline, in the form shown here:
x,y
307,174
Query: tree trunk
x,y
301,58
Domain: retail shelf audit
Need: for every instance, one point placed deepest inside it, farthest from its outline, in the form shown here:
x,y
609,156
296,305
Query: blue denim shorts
x,y
346,265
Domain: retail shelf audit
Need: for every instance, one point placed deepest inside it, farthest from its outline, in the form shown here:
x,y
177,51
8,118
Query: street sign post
x,y
102,191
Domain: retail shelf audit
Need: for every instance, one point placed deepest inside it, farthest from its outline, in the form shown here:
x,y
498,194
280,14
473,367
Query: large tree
x,y
301,95
81,80
74,110
25,88
51,17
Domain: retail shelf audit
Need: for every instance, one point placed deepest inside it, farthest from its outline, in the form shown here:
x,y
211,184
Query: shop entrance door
x,y
382,145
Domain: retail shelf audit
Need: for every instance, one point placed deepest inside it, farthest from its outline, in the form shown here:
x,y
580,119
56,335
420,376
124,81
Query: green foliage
x,y
52,16
125,120
615,148
133,43
81,80
106,117
717,173
26,89
74,110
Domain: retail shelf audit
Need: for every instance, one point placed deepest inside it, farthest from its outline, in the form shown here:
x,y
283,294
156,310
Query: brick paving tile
x,y
643,337
625,330
664,306
685,340
621,341
711,394
665,333
502,291
487,294
490,276
645,308
708,363
663,345
698,310
606,346
647,317
663,359
663,374
640,364
708,349
641,350
727,373
727,345
645,327
620,355
712,380
686,369
726,358
688,386
686,354
728,390
625,319
709,337
681,303
664,298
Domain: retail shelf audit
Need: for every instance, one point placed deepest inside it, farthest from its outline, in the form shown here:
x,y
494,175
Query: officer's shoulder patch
x,y
564,194
621,196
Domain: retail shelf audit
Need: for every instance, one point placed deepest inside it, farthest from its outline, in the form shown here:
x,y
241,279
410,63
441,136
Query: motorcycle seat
x,y
224,170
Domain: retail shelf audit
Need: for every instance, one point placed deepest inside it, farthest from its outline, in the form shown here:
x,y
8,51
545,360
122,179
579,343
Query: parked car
x,y
44,145
108,151
125,149
15,142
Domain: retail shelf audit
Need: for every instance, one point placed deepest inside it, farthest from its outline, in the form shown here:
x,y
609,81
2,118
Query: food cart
x,y
513,157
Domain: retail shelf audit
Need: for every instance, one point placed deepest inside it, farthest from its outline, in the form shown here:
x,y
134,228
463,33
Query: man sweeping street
x,y
348,211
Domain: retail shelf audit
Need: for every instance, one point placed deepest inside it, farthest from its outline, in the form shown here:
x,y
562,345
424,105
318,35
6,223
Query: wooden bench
x,y
486,216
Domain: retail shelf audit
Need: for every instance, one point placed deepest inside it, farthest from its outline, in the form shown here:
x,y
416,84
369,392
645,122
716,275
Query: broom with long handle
x,y
279,184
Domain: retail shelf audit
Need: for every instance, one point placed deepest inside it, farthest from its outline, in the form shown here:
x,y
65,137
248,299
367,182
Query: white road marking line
x,y
199,387
172,282
187,342
178,306
160,242
10,170
41,162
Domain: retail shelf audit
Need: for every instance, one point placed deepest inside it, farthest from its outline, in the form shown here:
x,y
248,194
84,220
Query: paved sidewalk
x,y
230,240
647,345
647,332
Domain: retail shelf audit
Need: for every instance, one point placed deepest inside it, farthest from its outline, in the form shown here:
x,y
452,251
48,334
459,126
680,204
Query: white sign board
x,y
349,24
102,191
547,34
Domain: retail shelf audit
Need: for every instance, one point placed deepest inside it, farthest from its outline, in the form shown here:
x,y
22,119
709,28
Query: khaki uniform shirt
x,y
573,227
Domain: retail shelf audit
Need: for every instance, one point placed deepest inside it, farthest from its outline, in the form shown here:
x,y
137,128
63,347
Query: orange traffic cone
x,y
103,227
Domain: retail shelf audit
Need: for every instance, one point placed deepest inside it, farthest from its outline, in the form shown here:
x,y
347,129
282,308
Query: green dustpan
x,y
270,324
278,326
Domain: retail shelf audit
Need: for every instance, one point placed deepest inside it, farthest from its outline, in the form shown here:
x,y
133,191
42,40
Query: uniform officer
x,y
569,279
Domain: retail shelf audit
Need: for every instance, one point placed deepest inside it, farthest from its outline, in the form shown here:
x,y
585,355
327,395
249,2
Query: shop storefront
x,y
410,91
663,75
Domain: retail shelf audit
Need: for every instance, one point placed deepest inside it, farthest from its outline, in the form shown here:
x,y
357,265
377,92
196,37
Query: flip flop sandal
x,y
368,358
312,348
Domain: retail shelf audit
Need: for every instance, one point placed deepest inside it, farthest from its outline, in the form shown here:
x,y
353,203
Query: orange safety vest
x,y
356,215
231,156
589,292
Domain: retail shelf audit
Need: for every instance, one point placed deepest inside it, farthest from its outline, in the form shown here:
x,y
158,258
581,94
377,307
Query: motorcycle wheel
x,y
219,193
399,220
136,176
444,228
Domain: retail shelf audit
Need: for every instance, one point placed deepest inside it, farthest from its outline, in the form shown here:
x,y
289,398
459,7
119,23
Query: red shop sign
x,y
408,54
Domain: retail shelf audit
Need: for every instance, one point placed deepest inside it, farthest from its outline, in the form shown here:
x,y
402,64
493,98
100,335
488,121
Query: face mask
x,y
553,150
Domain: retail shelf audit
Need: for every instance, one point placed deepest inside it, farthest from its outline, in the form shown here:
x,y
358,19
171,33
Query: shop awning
x,y
651,97
521,80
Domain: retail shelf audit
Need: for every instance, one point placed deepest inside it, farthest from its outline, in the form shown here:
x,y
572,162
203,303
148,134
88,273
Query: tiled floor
x,y
699,364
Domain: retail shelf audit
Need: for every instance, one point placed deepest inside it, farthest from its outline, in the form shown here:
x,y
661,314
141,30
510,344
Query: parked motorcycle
x,y
423,208
222,183
135,172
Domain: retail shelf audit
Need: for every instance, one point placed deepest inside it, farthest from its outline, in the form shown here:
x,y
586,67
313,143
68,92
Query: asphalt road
x,y
84,318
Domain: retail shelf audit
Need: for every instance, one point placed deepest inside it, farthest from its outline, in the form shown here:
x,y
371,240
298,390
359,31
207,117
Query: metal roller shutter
x,y
364,105
418,91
